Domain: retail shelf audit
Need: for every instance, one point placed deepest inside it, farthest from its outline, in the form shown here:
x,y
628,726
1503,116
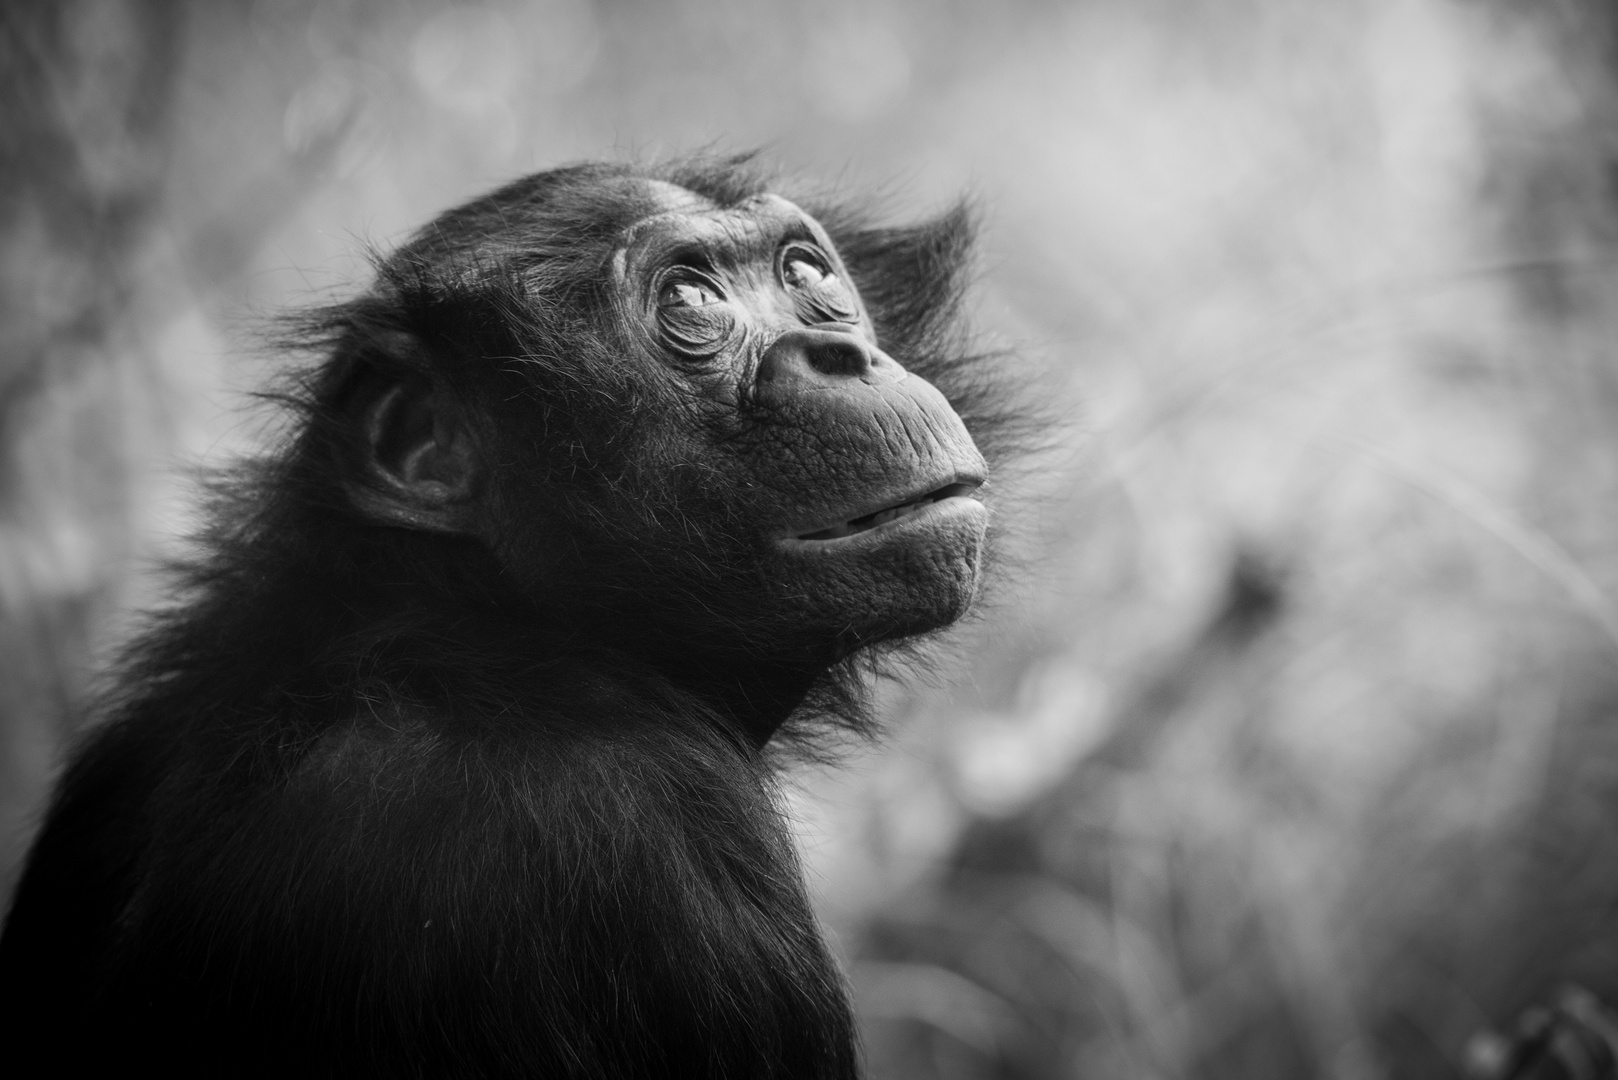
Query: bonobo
x,y
450,759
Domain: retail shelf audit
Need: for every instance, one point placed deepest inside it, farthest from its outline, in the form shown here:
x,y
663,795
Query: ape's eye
x,y
825,294
685,293
692,314
800,273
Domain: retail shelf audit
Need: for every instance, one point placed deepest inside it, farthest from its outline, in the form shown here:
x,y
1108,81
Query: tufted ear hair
x,y
417,465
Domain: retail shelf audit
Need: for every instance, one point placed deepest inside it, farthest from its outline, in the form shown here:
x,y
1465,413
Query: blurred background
x,y
1289,747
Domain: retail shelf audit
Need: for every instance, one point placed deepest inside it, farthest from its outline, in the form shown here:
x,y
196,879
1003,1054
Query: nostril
x,y
814,357
839,354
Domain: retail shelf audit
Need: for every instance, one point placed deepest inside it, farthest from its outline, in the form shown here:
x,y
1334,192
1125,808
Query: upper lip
x,y
961,484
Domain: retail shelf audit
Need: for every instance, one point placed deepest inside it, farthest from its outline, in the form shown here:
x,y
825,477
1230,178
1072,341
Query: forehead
x,y
678,221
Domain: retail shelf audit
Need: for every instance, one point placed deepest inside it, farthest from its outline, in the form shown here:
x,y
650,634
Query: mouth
x,y
867,522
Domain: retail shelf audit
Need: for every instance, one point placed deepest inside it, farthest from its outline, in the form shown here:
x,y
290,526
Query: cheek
x,y
699,333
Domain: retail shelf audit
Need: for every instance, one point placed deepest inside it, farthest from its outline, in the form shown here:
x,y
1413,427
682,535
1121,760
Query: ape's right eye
x,y
684,292
692,314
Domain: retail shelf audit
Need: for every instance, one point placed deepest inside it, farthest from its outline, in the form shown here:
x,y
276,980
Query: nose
x,y
813,357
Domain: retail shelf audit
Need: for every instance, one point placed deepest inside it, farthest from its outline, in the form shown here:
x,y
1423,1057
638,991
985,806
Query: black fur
x,y
357,807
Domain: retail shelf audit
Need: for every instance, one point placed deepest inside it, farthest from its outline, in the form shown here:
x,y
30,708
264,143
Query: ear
x,y
418,466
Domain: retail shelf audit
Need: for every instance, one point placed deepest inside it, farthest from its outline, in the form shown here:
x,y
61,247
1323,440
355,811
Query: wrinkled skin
x,y
776,403
448,758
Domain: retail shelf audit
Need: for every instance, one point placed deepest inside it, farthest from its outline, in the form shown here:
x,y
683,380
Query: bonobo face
x,y
855,478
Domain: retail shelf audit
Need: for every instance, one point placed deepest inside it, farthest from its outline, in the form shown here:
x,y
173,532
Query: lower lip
x,y
956,508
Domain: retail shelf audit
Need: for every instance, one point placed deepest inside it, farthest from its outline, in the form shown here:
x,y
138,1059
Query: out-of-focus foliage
x,y
84,129
1291,749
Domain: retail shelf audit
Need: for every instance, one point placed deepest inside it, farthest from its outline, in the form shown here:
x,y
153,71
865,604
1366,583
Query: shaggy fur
x,y
360,808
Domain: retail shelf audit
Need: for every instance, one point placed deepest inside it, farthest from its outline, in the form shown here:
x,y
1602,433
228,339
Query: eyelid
x,y
806,252
690,273
689,254
831,296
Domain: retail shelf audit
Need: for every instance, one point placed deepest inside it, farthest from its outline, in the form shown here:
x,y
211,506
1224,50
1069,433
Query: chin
x,y
913,579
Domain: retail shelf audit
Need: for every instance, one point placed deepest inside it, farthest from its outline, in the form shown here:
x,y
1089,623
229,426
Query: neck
x,y
753,694
757,698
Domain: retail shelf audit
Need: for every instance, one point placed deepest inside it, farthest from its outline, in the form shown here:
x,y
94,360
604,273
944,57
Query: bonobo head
x,y
681,420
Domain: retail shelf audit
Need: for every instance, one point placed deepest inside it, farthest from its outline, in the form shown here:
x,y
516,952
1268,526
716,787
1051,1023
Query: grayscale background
x,y
1290,746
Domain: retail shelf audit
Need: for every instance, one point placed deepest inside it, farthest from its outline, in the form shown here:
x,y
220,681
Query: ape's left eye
x,y
800,273
825,294
685,293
